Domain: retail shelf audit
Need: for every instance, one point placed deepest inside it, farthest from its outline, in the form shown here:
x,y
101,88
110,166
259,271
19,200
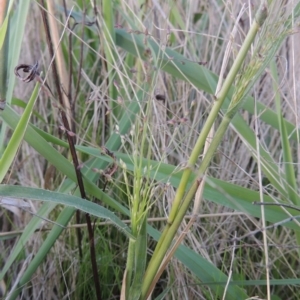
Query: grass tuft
x,y
171,104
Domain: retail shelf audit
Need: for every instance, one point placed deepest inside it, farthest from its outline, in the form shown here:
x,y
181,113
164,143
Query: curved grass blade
x,y
17,137
21,192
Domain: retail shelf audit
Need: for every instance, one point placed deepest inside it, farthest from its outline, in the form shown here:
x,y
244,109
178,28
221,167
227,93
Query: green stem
x,y
212,116
139,261
172,229
178,212
130,265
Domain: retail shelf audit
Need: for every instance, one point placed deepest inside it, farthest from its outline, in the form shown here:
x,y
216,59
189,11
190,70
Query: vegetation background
x,y
139,81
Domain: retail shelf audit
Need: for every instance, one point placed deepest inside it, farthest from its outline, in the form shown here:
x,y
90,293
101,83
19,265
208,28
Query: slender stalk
x,y
178,209
205,131
139,206
220,98
5,79
152,268
4,52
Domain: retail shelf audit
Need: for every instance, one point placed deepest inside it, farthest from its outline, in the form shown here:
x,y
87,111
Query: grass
x,y
176,135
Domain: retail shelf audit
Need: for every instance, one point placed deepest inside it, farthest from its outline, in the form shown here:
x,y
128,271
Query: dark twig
x,y
71,140
72,105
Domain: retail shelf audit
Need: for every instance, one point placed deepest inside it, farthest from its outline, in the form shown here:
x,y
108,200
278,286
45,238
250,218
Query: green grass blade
x,y
17,26
17,137
269,166
4,45
21,192
289,174
3,30
22,104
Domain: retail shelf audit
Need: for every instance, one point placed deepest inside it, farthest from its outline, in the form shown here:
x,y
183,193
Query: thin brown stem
x,y
71,140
